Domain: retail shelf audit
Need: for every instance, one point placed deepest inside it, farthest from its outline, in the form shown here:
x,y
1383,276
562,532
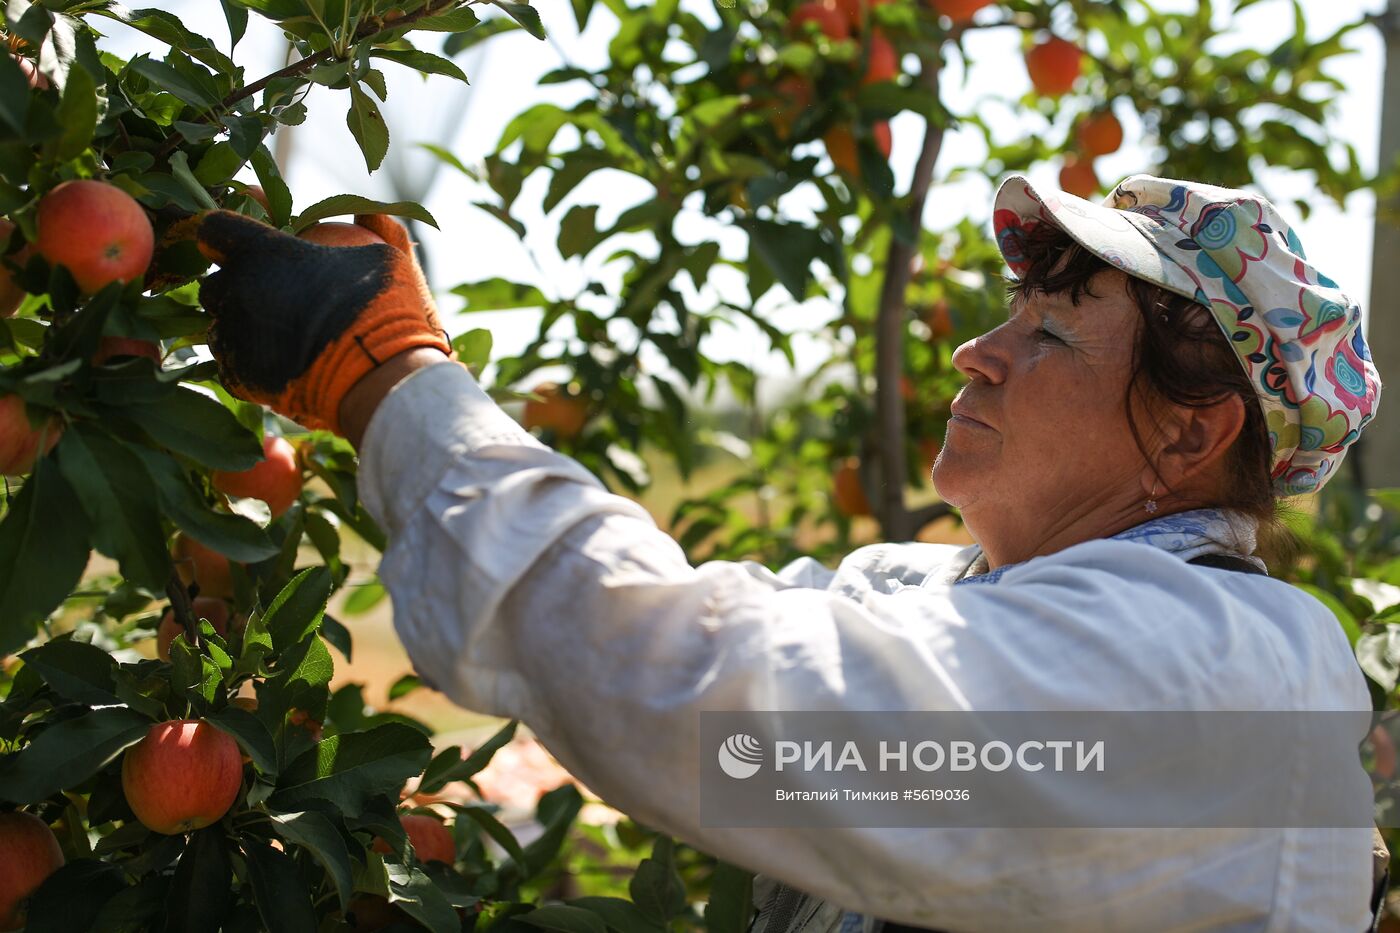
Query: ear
x,y
1197,439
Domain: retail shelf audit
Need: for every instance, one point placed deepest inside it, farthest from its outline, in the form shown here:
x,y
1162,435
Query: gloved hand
x,y
296,325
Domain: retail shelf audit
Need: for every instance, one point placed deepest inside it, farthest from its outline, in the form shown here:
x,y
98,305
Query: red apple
x,y
109,348
826,14
302,719
556,409
883,61
184,775
11,294
97,231
215,610
20,442
32,74
432,841
204,566
337,233
1054,64
275,480
29,853
257,193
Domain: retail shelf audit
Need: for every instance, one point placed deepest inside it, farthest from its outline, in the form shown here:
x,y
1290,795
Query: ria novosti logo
x,y
740,756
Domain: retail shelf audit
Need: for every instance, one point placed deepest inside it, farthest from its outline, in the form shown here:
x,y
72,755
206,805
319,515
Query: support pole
x,y
1380,443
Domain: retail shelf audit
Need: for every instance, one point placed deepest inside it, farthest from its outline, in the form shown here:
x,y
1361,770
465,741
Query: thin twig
x,y
919,518
180,605
890,327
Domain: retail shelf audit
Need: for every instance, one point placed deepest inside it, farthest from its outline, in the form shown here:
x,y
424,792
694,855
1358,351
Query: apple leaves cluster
x,y
297,844
722,122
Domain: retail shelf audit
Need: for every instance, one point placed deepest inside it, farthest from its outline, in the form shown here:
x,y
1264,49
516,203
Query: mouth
x,y
961,416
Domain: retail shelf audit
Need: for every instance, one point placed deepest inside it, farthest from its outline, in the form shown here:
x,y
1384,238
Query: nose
x,y
981,357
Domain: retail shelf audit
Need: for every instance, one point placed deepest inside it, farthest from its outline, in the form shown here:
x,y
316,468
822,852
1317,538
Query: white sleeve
x,y
522,588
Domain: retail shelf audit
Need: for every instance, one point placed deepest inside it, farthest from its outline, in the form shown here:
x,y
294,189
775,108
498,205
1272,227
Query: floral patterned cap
x,y
1296,334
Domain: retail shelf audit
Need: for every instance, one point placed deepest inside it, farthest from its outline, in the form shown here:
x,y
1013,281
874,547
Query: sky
x,y
470,245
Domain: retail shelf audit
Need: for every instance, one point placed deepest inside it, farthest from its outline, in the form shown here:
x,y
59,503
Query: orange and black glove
x,y
296,324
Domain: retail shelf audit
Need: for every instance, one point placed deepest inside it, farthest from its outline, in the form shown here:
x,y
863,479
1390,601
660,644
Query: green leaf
x,y
621,916
730,907
76,114
195,132
302,682
137,907
473,348
315,832
578,231
279,196
119,497
283,901
1378,654
231,535
535,127
459,42
425,62
555,812
458,20
71,898
498,295
297,610
343,204
349,770
193,673
364,597
196,426
404,686
525,15
449,765
75,670
787,250
447,158
337,636
14,98
1343,614
495,829
218,164
657,888
166,27
573,168
202,890
368,127
183,84
237,18
416,895
250,733
564,919
43,552
374,80
68,753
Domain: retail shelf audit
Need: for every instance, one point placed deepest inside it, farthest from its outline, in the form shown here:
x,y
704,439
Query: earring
x,y
1150,505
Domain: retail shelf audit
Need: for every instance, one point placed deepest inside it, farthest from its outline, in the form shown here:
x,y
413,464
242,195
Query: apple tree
x,y
766,125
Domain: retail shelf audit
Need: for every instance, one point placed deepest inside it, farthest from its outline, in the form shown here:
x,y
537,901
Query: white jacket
x,y
521,588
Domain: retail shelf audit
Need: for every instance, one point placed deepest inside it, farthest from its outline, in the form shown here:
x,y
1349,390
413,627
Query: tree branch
x,y
927,515
889,330
370,29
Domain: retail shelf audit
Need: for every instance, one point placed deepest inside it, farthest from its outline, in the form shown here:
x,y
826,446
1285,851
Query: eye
x,y
1045,333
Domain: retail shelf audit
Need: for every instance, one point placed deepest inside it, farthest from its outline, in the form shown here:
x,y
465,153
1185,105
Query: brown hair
x,y
1181,357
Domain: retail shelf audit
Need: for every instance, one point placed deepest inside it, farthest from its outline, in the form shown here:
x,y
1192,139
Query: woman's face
x,y
1039,449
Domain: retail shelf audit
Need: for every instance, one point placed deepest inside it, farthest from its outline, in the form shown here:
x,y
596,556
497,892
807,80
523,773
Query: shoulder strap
x,y
1226,562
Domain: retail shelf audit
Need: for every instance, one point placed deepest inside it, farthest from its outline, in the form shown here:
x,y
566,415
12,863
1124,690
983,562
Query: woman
x,y
1113,455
